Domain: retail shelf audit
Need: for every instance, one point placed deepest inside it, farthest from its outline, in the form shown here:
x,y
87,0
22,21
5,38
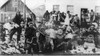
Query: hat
x,y
95,24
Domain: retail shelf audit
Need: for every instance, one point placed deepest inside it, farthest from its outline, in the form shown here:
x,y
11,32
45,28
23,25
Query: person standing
x,y
63,16
92,15
97,18
30,33
67,19
76,21
51,33
46,16
17,20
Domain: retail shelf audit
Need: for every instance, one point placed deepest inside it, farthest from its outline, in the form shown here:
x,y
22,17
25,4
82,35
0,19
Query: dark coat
x,y
30,32
46,16
17,19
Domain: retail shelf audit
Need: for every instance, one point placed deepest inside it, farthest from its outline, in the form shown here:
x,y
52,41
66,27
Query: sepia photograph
x,y
49,27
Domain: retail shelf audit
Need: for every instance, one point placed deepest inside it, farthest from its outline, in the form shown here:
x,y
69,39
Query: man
x,y
29,19
17,20
67,39
93,30
51,36
76,21
83,20
68,18
97,18
30,33
46,16
92,15
63,16
58,17
2,32
40,40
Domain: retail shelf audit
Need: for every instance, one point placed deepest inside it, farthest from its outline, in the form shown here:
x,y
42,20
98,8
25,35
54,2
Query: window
x,y
56,7
15,3
1,17
70,8
4,17
16,9
97,9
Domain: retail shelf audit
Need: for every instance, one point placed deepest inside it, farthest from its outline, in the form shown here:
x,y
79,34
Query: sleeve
x,y
26,31
14,19
44,16
94,17
45,31
34,32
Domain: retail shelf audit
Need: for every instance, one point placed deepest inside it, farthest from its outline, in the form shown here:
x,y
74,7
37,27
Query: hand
x,y
16,25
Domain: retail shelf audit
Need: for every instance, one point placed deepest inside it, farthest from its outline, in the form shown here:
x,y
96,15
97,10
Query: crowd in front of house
x,y
57,31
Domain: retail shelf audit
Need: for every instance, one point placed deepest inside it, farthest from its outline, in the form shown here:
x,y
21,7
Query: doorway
x,y
83,11
83,14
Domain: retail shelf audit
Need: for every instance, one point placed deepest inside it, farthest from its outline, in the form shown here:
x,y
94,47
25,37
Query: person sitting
x,y
92,30
60,38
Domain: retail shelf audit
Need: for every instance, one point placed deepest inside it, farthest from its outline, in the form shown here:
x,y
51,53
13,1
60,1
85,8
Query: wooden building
x,y
9,9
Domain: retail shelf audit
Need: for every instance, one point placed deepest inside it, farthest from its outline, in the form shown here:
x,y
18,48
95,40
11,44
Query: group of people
x,y
89,17
62,27
57,31
14,34
60,18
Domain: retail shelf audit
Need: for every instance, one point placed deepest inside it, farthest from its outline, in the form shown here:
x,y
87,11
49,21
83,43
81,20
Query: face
x,y
92,27
30,25
18,13
60,31
37,34
22,23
